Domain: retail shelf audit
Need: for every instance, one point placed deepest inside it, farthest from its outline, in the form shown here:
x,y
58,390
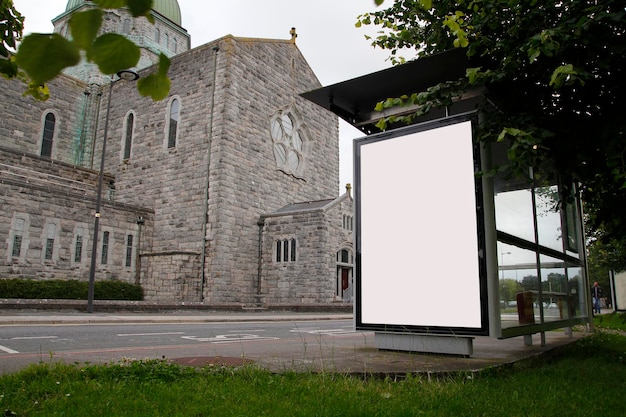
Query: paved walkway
x,y
354,354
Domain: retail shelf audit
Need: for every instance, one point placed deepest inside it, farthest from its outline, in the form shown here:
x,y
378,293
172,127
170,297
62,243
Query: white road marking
x,y
230,338
149,334
325,332
33,337
7,350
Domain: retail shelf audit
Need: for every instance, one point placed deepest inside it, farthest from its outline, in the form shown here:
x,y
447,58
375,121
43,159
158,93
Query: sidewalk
x,y
355,353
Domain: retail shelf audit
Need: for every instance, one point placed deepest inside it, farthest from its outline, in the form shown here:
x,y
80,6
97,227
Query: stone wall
x,y
70,101
202,198
172,276
256,80
310,278
42,200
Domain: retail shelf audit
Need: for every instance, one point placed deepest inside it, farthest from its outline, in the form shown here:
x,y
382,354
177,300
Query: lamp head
x,y
128,75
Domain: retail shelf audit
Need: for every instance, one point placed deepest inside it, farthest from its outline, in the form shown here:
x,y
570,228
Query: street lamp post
x,y
127,75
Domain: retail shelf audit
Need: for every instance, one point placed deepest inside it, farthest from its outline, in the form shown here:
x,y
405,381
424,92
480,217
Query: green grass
x,y
612,321
585,378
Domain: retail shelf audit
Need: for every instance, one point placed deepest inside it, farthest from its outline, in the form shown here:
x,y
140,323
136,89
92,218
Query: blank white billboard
x,y
418,263
619,291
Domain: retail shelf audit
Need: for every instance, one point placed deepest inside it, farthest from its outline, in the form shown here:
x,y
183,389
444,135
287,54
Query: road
x,y
271,344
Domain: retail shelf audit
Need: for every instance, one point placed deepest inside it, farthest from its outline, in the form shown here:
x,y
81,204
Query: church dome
x,y
166,8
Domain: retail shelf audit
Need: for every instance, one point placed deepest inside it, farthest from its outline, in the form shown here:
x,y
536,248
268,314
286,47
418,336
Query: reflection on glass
x,y
517,270
549,217
554,300
576,291
571,223
514,213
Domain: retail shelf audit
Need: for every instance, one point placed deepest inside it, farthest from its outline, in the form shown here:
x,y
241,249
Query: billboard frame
x,y
480,319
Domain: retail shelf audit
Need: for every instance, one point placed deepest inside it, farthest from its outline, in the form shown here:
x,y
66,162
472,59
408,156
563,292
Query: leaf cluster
x,y
555,71
42,57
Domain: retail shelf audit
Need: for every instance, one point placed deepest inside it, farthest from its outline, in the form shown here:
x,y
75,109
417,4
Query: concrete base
x,y
451,345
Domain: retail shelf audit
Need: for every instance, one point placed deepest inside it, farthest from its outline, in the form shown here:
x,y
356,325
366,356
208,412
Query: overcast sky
x,y
327,37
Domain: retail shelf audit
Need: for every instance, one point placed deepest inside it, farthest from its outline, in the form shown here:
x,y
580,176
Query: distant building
x,y
224,192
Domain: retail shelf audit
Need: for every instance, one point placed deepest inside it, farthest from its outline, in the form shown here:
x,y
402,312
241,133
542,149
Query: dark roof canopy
x,y
354,100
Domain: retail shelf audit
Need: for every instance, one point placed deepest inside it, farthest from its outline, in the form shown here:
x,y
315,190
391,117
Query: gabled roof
x,y
354,100
307,206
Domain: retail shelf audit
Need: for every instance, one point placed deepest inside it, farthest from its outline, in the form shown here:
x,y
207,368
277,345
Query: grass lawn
x,y
585,378
612,321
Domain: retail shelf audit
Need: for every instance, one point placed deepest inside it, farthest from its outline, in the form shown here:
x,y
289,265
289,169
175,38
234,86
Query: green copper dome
x,y
167,8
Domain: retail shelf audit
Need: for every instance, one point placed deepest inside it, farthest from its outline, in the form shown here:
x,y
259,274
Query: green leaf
x,y
155,85
110,4
85,26
140,7
426,4
164,65
113,53
561,75
472,74
37,91
44,56
8,68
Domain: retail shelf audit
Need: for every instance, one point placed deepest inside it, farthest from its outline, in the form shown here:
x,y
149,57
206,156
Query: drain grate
x,y
201,361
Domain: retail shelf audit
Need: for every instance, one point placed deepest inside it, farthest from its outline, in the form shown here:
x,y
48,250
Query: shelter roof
x,y
354,100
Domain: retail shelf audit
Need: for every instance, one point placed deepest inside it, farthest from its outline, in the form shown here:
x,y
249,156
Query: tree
x,y
509,289
42,57
555,69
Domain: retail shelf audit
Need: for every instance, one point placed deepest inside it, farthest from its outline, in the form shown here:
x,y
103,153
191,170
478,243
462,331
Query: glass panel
x,y
572,225
173,127
576,288
105,248
17,246
293,250
129,135
549,217
129,250
49,249
517,270
278,250
79,249
48,135
514,213
554,298
285,250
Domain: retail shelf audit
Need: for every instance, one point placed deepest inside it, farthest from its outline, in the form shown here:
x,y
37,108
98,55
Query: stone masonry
x,y
217,175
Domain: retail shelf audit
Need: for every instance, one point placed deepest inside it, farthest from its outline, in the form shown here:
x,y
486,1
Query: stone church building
x,y
225,192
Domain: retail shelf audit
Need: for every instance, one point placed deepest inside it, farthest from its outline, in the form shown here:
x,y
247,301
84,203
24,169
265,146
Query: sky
x,y
334,48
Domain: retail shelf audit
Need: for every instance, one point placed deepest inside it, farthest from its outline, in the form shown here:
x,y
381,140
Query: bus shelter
x,y
443,254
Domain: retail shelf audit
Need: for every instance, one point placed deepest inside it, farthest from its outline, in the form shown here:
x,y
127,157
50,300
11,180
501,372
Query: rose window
x,y
289,142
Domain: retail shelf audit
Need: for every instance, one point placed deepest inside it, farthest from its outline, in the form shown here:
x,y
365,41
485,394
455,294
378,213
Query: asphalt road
x,y
266,342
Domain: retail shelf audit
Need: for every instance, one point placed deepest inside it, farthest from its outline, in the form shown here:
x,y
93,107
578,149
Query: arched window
x,y
105,248
48,135
128,135
174,120
286,250
175,45
157,35
126,27
166,41
129,250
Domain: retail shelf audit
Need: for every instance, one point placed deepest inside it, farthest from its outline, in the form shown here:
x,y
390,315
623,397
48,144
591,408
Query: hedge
x,y
68,289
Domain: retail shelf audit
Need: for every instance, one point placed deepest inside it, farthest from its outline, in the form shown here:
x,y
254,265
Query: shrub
x,y
68,289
